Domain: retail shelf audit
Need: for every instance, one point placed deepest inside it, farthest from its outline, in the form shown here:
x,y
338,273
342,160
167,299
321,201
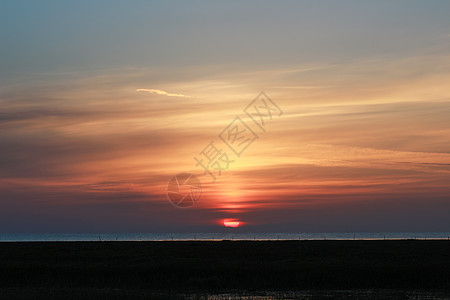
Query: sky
x,y
102,103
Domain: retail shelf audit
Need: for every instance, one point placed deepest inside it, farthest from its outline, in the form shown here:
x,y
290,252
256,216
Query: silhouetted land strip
x,y
84,267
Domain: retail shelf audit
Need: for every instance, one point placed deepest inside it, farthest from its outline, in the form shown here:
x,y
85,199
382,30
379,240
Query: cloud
x,y
161,92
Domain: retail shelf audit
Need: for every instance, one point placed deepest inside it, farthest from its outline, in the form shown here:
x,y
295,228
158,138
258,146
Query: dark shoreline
x,y
104,269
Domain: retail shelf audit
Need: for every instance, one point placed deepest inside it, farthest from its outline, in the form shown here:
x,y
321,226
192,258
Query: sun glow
x,y
231,223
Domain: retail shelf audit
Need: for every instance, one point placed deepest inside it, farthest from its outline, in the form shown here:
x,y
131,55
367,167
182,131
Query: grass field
x,y
161,269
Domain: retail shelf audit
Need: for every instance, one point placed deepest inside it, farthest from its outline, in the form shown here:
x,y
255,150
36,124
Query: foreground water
x,y
219,236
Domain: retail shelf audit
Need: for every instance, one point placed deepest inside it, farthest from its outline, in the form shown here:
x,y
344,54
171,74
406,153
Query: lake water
x,y
220,236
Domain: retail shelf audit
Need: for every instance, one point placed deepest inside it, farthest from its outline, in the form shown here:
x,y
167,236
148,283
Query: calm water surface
x,y
220,236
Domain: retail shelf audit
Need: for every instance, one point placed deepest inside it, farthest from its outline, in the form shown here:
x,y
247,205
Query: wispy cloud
x,y
160,92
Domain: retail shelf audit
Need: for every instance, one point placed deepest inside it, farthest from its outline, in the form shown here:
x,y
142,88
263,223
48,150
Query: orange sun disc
x,y
231,223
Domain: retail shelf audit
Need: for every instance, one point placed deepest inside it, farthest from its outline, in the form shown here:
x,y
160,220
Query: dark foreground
x,y
157,270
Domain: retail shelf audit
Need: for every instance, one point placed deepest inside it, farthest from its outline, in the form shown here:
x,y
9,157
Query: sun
x,y
231,223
